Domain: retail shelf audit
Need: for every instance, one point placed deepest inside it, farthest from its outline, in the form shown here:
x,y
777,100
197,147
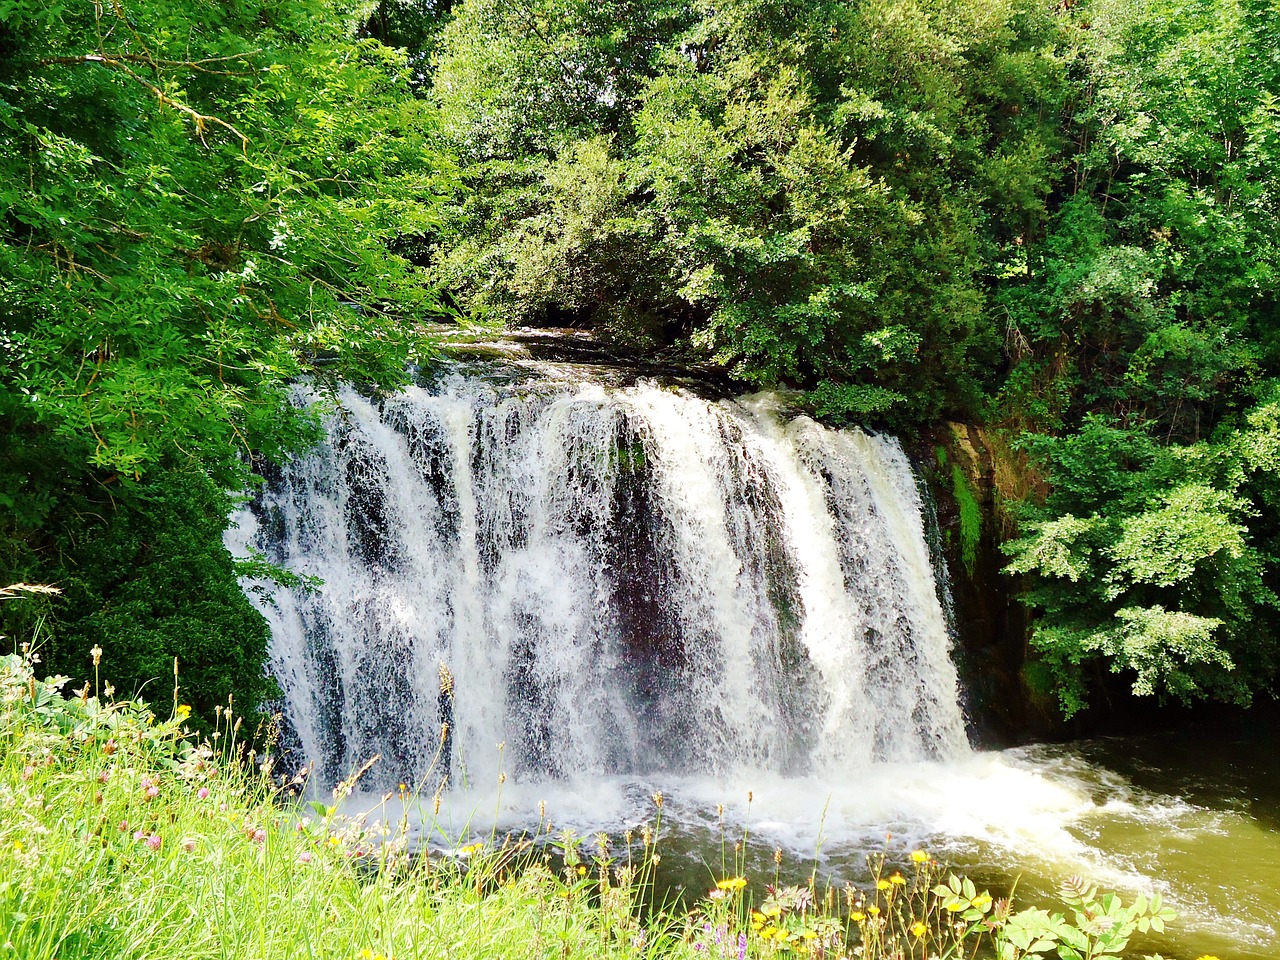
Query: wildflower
x,y
189,844
742,946
184,711
304,856
857,916
123,826
139,834
898,880
733,884
919,856
873,910
982,900
202,793
96,653
582,871
109,747
657,799
882,884
918,929
153,842
259,836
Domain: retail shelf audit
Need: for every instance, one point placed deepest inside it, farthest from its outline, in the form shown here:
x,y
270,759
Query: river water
x,y
549,596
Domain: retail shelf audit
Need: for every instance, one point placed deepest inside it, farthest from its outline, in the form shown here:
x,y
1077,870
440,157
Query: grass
x,y
123,837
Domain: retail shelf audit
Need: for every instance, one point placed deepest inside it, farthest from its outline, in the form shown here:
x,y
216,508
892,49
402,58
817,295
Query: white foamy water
x,y
619,580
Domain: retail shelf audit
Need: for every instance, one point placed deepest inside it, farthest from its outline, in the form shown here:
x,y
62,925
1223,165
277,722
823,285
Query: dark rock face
x,y
991,624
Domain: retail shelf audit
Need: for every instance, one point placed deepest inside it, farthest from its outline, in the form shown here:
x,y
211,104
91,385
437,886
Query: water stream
x,y
545,592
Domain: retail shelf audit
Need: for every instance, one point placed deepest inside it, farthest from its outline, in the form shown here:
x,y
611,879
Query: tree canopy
x,y
197,205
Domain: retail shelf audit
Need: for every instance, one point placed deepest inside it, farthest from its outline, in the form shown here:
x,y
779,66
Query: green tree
x,y
749,189
196,206
1144,561
1146,319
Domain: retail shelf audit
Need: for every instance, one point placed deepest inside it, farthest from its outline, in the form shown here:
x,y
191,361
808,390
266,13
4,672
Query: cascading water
x,y
620,580
636,589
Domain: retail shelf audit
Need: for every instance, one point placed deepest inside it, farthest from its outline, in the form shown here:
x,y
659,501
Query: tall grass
x,y
122,837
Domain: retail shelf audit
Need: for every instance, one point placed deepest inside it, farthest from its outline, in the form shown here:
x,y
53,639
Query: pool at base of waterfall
x,y
1185,814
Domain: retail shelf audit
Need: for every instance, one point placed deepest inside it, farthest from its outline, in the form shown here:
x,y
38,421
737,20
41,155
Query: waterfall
x,y
619,580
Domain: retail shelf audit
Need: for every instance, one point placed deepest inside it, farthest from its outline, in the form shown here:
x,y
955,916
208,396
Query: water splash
x,y
621,580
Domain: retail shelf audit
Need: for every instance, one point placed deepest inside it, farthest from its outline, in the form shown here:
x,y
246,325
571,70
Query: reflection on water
x,y
1189,815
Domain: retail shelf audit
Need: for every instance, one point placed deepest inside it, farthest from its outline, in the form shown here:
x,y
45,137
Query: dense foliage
x,y
814,194
196,206
1146,325
1059,219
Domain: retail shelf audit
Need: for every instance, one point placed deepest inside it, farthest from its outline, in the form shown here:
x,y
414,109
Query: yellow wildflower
x,y
897,879
184,711
873,910
732,883
919,856
982,900
882,884
918,929
857,916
